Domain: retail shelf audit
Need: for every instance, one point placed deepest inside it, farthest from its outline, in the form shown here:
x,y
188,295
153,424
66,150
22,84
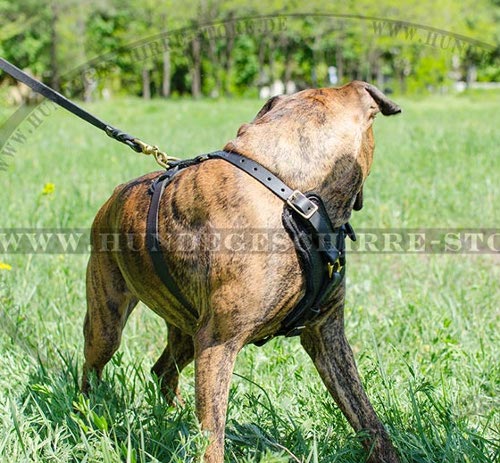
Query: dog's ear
x,y
386,106
358,202
270,104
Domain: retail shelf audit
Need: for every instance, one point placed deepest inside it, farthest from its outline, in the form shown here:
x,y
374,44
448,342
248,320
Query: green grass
x,y
424,328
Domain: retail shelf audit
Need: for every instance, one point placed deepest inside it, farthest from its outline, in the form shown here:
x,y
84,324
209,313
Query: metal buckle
x,y
299,195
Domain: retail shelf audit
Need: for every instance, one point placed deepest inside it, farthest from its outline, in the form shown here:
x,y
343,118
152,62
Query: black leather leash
x,y
320,246
39,87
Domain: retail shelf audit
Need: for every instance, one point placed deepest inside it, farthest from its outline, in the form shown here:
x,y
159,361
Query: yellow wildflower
x,y
4,266
48,189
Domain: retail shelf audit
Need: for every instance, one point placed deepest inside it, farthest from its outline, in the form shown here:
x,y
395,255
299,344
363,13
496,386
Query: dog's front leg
x,y
325,342
214,363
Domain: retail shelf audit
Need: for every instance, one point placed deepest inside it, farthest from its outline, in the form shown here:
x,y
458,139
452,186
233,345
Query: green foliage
x,y
25,37
430,74
52,38
246,66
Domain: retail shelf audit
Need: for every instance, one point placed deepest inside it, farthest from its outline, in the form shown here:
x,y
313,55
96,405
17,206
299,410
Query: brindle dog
x,y
317,140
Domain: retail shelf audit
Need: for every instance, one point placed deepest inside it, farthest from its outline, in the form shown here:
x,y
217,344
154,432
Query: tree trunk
x,y
229,59
369,71
196,71
316,58
262,61
230,34
55,81
402,81
287,47
167,70
89,84
272,77
471,75
212,54
359,69
288,68
146,84
166,58
339,62
314,75
380,74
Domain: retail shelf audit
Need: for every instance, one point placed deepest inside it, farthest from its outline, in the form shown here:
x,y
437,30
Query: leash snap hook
x,y
161,158
336,267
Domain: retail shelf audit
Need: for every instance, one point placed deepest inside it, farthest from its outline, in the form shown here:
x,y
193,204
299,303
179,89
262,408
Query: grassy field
x,y
424,328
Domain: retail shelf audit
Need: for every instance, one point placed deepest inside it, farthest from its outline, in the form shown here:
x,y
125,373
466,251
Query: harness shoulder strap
x,y
299,202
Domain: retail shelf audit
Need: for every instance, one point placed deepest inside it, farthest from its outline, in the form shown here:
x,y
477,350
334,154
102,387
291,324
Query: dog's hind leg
x,y
214,364
178,354
109,303
325,342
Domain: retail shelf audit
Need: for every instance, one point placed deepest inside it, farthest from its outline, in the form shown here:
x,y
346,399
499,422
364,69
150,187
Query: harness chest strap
x,y
319,245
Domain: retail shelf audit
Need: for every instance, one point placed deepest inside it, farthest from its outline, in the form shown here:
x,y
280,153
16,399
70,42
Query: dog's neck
x,y
337,180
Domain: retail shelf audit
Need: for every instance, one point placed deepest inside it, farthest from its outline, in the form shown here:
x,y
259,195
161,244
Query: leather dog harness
x,y
320,247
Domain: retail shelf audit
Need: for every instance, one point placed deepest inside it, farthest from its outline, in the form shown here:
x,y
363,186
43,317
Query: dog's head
x,y
318,139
